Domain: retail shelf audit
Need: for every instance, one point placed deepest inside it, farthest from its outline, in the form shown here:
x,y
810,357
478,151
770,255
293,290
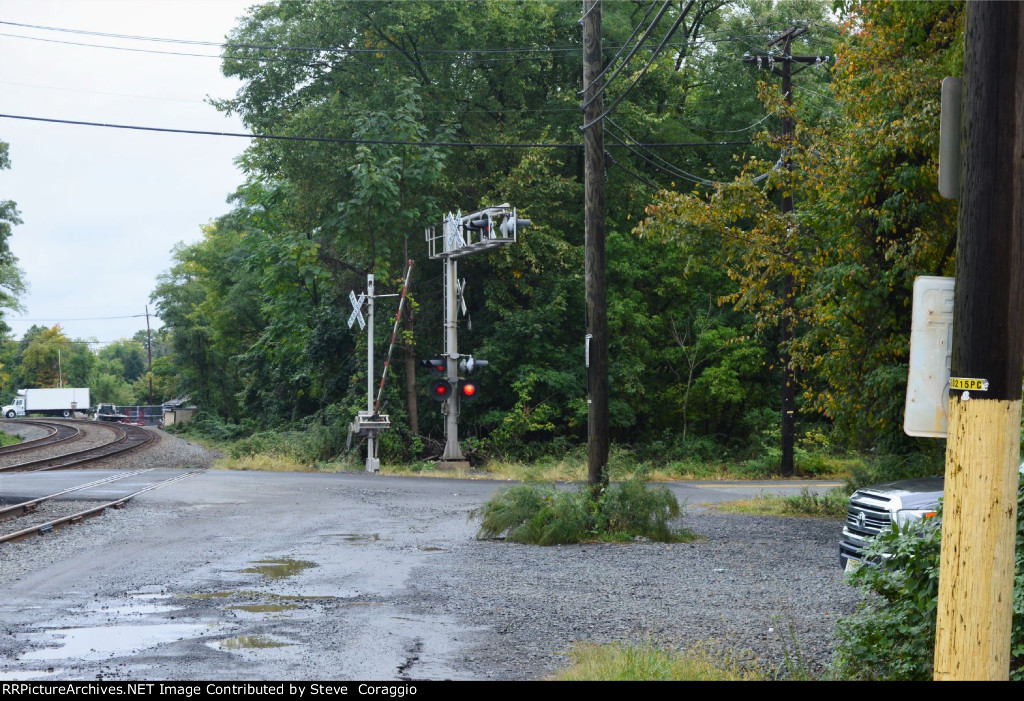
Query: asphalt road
x,y
251,575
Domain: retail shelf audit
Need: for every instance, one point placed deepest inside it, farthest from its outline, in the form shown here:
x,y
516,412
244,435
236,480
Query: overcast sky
x,y
102,208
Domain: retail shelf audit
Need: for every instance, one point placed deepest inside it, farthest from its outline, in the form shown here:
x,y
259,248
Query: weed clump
x,y
549,516
648,662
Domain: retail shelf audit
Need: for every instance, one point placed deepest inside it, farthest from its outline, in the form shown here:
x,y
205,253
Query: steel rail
x,y
26,507
59,433
131,438
50,526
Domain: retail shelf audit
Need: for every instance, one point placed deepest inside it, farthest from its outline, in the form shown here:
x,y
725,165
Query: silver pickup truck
x,y
874,509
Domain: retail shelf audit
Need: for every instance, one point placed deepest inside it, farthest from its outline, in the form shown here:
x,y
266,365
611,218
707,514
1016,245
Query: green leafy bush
x,y
892,636
549,516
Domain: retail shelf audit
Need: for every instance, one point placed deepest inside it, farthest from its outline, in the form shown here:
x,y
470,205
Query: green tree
x,y
867,220
131,355
874,207
314,216
42,360
12,282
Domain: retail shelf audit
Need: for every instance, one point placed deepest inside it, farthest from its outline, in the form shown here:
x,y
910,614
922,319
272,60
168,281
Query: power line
x,y
113,94
626,60
87,318
284,59
650,183
672,169
643,71
69,341
279,47
339,140
342,111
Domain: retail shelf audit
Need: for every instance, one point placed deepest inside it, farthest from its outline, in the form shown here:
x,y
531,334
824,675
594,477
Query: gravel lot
x,y
400,560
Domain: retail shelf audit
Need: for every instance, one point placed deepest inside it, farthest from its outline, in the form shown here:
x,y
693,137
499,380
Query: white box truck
x,y
64,401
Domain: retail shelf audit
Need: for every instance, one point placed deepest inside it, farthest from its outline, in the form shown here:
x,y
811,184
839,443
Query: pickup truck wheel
x,y
11,414
65,413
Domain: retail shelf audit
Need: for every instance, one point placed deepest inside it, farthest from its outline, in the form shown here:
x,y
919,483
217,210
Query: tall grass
x,y
831,504
647,662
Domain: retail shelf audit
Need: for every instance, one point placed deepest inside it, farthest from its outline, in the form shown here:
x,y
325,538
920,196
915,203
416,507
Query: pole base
x,y
451,465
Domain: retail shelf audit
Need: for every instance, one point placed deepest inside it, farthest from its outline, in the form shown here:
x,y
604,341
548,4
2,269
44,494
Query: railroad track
x,y
57,433
125,438
20,511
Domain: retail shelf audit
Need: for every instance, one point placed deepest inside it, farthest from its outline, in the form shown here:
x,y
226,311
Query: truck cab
x,y
108,412
16,408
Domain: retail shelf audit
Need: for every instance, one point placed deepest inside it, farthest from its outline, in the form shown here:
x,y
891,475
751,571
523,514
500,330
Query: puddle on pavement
x,y
247,642
133,609
278,569
101,642
357,537
263,608
25,675
137,605
249,594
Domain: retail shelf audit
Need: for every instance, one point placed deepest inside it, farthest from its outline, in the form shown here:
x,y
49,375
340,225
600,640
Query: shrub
x,y
549,516
892,636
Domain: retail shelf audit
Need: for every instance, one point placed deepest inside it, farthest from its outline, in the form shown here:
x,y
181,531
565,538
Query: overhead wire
x,y
625,61
728,234
643,71
283,59
88,318
340,140
653,185
671,169
279,47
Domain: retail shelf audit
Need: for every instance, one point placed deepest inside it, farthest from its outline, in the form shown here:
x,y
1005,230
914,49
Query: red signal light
x,y
440,390
468,390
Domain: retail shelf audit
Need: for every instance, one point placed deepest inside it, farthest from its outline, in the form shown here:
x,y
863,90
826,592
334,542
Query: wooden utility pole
x,y
787,318
983,437
149,353
597,317
786,321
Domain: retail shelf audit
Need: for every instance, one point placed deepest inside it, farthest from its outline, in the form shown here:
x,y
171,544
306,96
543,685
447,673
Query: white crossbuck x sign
x,y
357,310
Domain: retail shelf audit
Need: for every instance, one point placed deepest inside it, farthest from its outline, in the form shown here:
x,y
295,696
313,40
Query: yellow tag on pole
x,y
968,383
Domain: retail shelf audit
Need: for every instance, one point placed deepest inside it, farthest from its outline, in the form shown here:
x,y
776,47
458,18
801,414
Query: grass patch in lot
x,y
549,516
9,439
647,662
832,504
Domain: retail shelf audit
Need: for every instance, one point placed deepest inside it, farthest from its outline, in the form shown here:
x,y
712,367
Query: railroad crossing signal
x,y
436,365
470,365
469,390
458,236
441,390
